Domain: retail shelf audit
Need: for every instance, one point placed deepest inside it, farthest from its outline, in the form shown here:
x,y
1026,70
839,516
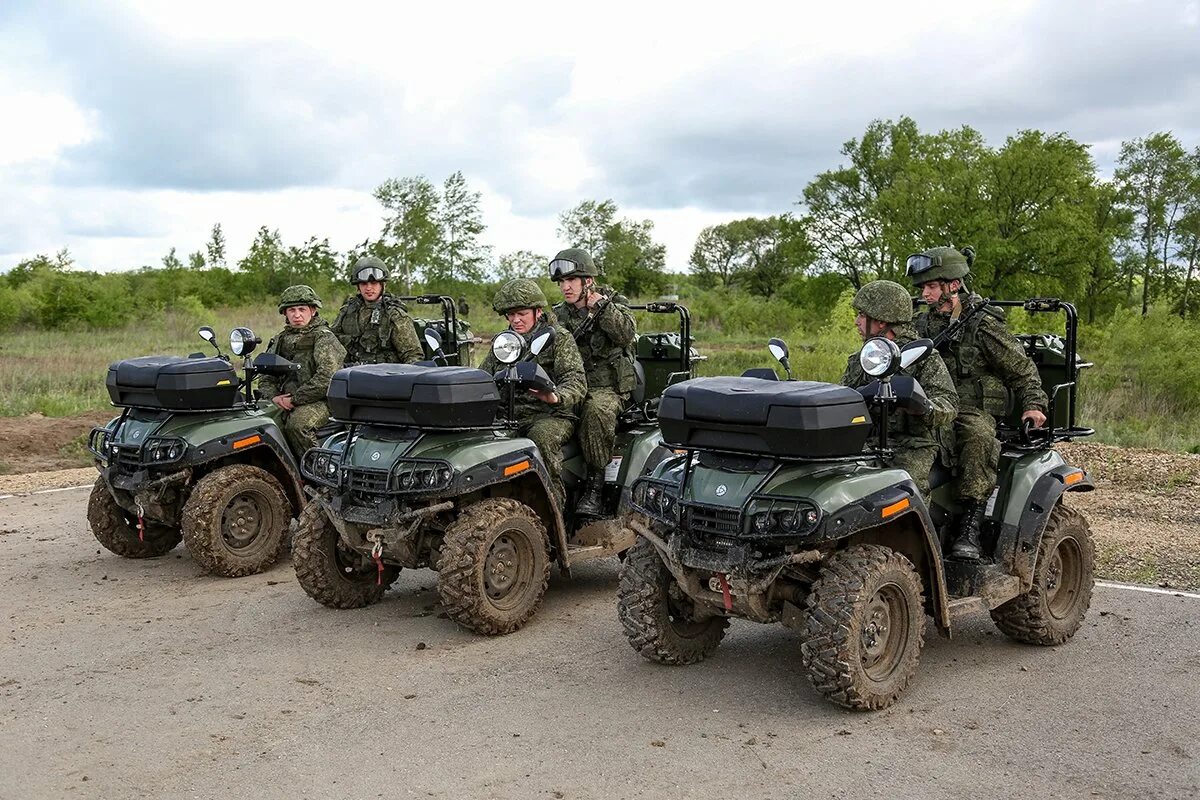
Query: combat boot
x,y
967,546
592,504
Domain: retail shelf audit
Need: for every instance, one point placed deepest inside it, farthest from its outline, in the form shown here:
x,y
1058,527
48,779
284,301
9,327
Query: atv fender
x,y
1022,548
263,446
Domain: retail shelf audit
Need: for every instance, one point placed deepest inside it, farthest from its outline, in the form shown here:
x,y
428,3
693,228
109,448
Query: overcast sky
x,y
131,127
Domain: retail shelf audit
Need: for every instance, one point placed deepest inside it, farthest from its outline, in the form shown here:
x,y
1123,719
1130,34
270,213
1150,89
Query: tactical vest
x,y
607,365
365,330
977,386
296,345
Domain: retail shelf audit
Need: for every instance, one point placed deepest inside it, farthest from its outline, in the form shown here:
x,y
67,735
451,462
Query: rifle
x,y
951,330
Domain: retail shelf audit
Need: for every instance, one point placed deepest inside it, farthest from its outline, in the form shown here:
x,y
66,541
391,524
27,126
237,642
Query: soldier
x,y
463,309
984,359
373,325
305,340
605,332
548,418
885,309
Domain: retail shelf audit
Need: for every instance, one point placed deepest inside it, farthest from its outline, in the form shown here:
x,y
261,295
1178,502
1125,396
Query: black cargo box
x,y
801,419
401,394
173,382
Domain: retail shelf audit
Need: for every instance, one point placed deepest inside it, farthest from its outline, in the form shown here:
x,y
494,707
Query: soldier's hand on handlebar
x,y
284,401
548,397
1036,417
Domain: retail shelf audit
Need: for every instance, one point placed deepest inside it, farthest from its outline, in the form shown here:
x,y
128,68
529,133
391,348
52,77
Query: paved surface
x,y
123,678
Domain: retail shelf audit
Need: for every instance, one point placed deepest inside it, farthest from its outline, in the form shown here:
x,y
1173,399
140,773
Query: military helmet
x,y
368,268
572,263
518,293
298,296
939,264
886,301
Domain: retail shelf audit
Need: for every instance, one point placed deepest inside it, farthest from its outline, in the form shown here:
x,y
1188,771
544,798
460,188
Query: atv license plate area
x,y
612,470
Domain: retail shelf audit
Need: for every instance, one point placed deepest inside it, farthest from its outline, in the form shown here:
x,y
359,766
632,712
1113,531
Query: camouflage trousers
x,y
598,426
550,433
915,458
977,454
300,426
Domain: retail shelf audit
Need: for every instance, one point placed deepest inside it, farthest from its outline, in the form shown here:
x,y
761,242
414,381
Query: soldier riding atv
x,y
189,459
776,514
431,473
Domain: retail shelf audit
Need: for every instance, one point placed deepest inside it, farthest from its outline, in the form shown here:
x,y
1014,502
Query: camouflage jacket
x,y
319,354
606,344
377,333
934,428
562,363
986,361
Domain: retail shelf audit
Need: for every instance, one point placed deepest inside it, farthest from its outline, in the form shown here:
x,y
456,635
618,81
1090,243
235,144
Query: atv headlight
x,y
507,347
163,450
879,357
242,341
321,466
781,516
421,476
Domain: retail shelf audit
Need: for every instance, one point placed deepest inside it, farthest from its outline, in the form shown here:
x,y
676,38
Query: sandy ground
x,y
122,678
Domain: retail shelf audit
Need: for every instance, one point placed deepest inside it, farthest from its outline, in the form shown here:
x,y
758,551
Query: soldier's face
x,y
938,294
523,320
371,290
868,327
572,289
299,316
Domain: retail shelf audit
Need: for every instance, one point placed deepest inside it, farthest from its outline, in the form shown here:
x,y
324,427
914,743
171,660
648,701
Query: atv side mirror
x,y
779,350
541,341
434,340
914,351
208,335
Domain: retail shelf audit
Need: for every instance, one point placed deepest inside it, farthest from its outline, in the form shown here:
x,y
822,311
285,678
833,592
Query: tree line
x,y
1041,218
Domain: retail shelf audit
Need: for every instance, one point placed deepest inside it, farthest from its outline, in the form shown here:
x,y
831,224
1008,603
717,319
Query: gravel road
x,y
124,679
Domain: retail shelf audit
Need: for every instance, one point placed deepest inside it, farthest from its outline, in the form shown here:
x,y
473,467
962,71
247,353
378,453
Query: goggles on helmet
x,y
561,268
368,274
919,263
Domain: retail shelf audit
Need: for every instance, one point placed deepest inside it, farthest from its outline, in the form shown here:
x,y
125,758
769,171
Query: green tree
x,y
215,248
411,239
196,261
623,249
758,253
314,262
520,264
462,256
714,256
264,261
171,262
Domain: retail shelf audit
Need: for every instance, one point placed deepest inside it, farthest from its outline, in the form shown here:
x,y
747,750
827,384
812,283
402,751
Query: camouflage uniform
x,y
380,332
549,427
915,440
319,354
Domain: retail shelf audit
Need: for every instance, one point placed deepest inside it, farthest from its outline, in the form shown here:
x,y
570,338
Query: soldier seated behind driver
x,y
984,359
547,418
885,309
306,340
604,330
373,325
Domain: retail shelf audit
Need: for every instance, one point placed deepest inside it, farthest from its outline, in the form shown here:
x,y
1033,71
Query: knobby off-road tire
x,y
494,566
116,528
1063,576
236,521
864,628
331,574
657,616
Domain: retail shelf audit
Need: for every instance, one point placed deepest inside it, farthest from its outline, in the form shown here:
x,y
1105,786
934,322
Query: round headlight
x,y
762,521
789,521
878,356
330,467
241,341
507,347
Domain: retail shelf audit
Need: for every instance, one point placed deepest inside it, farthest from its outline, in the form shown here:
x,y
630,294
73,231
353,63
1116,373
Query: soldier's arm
x,y
404,338
336,327
1006,357
490,364
851,373
939,388
617,321
328,355
569,377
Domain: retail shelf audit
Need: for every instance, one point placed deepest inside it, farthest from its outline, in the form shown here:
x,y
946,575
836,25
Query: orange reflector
x,y
894,508
249,440
513,469
1074,477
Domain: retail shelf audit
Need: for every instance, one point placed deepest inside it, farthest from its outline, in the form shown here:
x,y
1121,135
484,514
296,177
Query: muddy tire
x,y
1055,605
116,528
331,574
235,523
864,628
494,566
657,615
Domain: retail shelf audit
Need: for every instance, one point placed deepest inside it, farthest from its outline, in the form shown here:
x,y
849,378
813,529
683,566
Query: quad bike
x,y
774,512
431,473
190,458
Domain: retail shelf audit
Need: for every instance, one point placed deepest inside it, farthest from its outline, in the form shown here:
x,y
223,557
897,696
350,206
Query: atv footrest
x,y
985,582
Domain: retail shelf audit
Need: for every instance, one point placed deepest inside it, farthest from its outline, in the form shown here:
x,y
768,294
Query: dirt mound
x,y
35,443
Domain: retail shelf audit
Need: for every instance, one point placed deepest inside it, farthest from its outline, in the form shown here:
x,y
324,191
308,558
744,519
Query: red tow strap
x,y
725,593
378,570
141,529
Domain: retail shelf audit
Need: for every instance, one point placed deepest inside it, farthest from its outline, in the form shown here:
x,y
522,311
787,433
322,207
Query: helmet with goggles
x,y
368,269
572,263
939,264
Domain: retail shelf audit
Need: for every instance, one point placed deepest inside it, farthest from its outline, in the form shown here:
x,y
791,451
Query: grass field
x,y
58,373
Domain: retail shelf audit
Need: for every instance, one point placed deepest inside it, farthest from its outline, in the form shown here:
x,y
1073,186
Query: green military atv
x,y
189,457
431,474
775,513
